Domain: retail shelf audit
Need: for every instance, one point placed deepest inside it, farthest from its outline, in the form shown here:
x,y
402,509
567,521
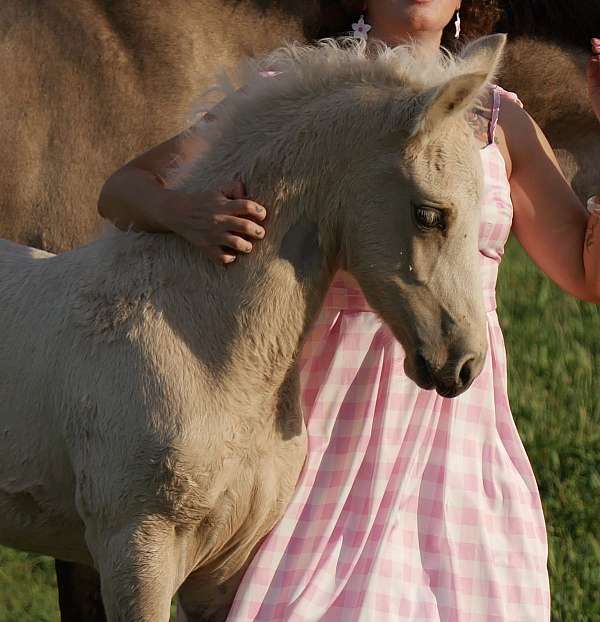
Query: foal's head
x,y
402,214
408,212
375,148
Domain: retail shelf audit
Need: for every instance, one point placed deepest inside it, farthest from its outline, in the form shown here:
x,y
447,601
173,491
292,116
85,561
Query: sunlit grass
x,y
553,343
27,588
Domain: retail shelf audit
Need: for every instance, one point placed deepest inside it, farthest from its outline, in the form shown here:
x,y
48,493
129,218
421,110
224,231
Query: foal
x,y
150,422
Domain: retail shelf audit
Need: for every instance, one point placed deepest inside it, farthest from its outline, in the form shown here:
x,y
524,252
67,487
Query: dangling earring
x,y
457,25
360,29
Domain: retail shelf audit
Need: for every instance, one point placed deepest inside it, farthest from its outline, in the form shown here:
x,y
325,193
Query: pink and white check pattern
x,y
410,506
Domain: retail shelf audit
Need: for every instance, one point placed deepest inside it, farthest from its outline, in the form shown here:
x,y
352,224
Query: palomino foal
x,y
150,422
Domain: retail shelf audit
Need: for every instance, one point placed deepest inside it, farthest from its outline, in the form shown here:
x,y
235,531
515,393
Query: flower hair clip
x,y
360,29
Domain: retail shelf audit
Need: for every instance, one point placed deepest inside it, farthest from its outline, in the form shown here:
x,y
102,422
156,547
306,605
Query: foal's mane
x,y
287,137
328,65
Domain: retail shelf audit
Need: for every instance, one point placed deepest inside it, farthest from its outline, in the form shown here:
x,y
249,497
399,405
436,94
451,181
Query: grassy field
x,y
554,378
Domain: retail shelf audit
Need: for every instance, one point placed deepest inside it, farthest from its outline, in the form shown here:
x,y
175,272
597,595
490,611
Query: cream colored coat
x,y
150,422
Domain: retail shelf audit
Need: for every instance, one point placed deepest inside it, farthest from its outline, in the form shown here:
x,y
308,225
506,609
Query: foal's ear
x,y
484,54
480,60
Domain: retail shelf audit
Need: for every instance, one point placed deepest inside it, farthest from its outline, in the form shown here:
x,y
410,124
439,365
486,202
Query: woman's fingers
x,y
234,190
219,255
236,243
224,223
593,76
243,226
226,257
246,208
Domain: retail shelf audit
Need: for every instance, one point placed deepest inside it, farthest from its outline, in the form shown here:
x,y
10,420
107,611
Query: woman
x,y
410,506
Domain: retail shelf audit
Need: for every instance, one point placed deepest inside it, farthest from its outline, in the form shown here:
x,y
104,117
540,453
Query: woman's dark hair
x,y
477,17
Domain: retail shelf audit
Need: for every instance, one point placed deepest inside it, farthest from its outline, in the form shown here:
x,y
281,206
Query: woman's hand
x,y
221,223
593,74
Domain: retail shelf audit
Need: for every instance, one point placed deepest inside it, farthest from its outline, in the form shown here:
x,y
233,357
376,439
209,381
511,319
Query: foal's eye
x,y
429,217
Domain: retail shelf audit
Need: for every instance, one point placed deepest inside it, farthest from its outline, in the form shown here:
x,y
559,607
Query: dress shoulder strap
x,y
498,93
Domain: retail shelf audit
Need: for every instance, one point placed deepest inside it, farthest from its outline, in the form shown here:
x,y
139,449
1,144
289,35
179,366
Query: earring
x,y
360,29
457,25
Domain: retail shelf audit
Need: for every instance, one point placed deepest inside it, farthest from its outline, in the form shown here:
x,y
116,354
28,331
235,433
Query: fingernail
x,y
260,233
247,249
259,209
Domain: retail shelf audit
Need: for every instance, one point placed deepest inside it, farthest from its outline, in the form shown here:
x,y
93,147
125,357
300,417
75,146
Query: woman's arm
x,y
135,194
221,223
549,220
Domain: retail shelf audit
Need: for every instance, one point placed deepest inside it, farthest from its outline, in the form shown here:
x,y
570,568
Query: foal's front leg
x,y
140,570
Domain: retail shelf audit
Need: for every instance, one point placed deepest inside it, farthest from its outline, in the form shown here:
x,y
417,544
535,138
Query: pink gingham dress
x,y
410,506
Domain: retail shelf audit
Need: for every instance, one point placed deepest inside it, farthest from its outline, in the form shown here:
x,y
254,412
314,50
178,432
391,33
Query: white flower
x,y
360,28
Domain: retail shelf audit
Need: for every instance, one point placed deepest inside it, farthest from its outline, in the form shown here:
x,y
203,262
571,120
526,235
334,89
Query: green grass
x,y
27,588
554,380
553,343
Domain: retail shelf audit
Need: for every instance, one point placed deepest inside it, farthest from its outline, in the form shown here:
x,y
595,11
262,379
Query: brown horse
x,y
89,84
545,64
555,93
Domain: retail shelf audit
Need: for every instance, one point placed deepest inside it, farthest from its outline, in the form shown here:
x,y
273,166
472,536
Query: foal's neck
x,y
268,299
251,316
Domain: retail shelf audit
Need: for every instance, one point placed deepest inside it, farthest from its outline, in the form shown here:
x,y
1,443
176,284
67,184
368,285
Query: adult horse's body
x,y
88,84
149,400
555,93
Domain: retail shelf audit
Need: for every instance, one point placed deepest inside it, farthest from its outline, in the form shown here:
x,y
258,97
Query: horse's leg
x,y
79,595
202,599
140,570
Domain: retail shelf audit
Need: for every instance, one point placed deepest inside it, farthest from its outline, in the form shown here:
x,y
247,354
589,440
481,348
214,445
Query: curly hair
x,y
478,17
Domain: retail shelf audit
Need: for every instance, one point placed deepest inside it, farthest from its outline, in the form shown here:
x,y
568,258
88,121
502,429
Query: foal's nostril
x,y
422,369
422,365
465,374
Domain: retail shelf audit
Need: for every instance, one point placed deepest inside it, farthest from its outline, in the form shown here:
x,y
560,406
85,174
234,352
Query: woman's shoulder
x,y
511,112
503,95
484,116
521,136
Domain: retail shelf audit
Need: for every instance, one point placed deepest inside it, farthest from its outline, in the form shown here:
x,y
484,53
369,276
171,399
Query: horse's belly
x,y
32,520
37,485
